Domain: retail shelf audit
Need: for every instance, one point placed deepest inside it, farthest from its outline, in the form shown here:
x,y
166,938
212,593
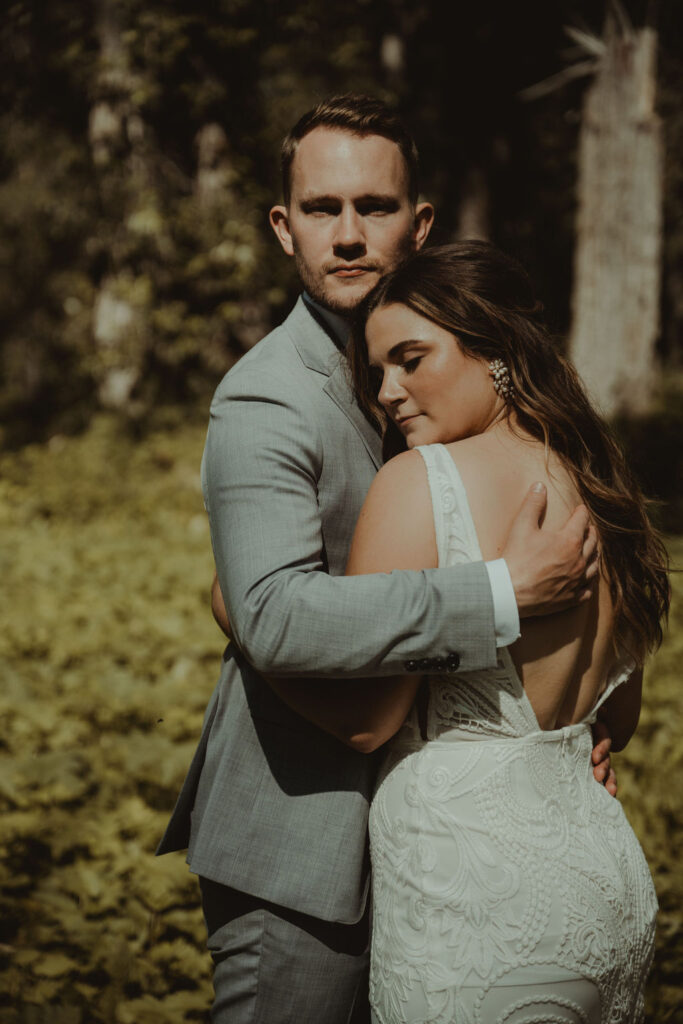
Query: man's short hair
x,y
360,115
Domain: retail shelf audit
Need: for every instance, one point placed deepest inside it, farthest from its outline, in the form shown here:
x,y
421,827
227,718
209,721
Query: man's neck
x,y
337,324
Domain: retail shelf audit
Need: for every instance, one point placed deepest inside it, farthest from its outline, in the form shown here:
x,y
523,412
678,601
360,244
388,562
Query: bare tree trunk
x,y
121,156
214,172
474,206
619,231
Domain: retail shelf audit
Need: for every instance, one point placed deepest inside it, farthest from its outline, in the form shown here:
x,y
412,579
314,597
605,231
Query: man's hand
x,y
551,570
602,769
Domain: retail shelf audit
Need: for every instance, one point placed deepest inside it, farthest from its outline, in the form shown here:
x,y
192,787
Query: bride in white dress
x,y
508,886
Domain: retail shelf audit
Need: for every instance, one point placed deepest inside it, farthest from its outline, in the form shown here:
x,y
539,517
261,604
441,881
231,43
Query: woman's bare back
x,y
563,660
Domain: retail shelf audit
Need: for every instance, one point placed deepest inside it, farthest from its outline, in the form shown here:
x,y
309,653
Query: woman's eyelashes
x,y
377,376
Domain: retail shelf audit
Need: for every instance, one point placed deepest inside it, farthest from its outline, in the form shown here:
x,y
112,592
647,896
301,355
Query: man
x,y
274,810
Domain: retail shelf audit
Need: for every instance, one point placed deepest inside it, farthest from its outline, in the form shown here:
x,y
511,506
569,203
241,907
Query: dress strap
x,y
456,536
620,673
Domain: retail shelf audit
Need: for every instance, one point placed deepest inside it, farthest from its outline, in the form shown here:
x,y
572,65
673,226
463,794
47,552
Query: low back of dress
x,y
508,885
491,702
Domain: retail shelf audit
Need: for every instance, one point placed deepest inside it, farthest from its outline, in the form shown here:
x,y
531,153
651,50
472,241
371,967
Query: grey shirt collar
x,y
336,324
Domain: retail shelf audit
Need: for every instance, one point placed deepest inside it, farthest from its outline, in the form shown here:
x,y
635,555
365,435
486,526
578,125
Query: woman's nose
x,y
391,390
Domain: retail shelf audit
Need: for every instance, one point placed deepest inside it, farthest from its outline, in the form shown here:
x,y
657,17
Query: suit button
x,y
453,661
410,666
424,664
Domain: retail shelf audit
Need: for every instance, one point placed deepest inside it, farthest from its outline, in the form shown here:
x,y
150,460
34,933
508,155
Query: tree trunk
x,y
474,206
615,302
214,172
125,177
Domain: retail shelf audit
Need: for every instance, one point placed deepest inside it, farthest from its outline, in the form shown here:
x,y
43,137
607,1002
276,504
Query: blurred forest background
x,y
139,160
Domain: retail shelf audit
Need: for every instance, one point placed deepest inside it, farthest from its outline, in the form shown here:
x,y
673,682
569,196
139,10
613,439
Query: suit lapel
x,y
338,387
322,353
312,339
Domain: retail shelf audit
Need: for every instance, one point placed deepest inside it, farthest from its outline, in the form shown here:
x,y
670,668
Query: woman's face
x,y
430,388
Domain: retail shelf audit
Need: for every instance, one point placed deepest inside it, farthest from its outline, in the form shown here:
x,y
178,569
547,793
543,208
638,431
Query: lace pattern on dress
x,y
508,886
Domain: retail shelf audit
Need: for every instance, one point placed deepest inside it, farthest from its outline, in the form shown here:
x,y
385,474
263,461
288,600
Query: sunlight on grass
x,y
108,655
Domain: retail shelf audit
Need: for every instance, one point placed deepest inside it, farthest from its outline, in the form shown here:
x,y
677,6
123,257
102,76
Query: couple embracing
x,y
397,477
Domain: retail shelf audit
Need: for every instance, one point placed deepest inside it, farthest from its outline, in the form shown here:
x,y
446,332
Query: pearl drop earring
x,y
501,380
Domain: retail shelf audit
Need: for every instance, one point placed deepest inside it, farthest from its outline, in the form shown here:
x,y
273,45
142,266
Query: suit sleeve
x,y
289,617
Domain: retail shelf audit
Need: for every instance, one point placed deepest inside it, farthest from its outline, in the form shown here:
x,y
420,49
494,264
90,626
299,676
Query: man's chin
x,y
344,298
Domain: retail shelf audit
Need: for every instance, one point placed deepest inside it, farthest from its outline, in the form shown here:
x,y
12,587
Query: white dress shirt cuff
x,y
505,613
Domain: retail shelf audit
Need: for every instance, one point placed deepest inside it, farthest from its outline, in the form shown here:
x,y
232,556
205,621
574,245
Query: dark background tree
x,y
140,159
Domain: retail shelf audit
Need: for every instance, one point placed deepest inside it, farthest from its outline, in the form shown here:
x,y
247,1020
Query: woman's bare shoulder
x,y
405,468
490,462
496,473
395,528
497,470
401,482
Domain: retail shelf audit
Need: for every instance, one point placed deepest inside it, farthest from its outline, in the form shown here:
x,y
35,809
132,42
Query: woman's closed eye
x,y
411,365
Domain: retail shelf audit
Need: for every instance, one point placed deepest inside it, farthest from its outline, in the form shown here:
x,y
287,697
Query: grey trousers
x,y
275,966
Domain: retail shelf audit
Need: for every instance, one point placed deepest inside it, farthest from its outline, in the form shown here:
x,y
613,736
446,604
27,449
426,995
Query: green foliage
x,y
121,288
138,261
650,775
108,655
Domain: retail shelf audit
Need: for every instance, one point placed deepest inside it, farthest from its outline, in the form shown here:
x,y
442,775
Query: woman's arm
x,y
395,530
362,713
343,708
621,711
218,609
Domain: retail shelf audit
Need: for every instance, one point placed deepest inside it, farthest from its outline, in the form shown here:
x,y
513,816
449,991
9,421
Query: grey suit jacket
x,y
272,805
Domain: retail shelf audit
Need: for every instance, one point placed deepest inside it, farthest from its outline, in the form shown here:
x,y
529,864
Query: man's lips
x,y
352,271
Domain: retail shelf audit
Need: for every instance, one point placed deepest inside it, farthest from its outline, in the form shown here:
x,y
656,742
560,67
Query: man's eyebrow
x,y
313,198
384,199
368,198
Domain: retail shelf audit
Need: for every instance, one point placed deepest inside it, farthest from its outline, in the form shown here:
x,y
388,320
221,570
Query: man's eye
x,y
376,209
321,209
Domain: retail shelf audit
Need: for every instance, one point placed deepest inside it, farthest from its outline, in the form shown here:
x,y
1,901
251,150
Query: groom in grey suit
x,y
273,810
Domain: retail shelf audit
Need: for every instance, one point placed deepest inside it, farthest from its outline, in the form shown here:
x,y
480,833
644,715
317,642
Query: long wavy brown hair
x,y
486,300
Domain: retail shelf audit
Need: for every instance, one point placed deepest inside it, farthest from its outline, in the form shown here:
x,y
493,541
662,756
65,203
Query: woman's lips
x,y
407,419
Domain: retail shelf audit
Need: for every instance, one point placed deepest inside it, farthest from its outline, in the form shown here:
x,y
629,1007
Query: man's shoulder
x,y
271,355
276,360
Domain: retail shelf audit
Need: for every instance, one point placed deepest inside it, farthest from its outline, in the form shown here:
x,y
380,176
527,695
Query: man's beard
x,y
316,282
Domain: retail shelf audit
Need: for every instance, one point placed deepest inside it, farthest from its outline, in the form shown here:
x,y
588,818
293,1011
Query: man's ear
x,y
424,218
279,222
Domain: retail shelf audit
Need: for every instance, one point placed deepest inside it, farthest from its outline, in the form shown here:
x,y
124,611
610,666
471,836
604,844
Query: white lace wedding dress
x,y
508,885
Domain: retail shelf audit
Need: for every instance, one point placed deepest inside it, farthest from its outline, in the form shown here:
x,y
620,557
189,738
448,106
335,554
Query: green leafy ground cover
x,y
107,657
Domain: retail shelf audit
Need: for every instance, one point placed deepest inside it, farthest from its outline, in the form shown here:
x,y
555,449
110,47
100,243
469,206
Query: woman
x,y
508,885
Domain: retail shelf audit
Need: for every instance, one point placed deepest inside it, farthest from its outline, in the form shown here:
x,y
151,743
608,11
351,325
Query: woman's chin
x,y
424,433
415,438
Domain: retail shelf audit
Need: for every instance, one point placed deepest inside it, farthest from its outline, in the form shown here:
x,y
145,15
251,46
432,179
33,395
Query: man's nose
x,y
391,390
350,234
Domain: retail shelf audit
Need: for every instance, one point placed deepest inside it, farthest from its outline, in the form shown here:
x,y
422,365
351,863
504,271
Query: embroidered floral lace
x,y
509,887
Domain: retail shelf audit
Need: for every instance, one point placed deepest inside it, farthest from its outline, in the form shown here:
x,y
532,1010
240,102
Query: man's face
x,y
349,220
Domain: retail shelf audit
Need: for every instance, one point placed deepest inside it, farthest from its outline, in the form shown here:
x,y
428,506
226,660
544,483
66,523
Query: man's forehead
x,y
307,195
332,161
